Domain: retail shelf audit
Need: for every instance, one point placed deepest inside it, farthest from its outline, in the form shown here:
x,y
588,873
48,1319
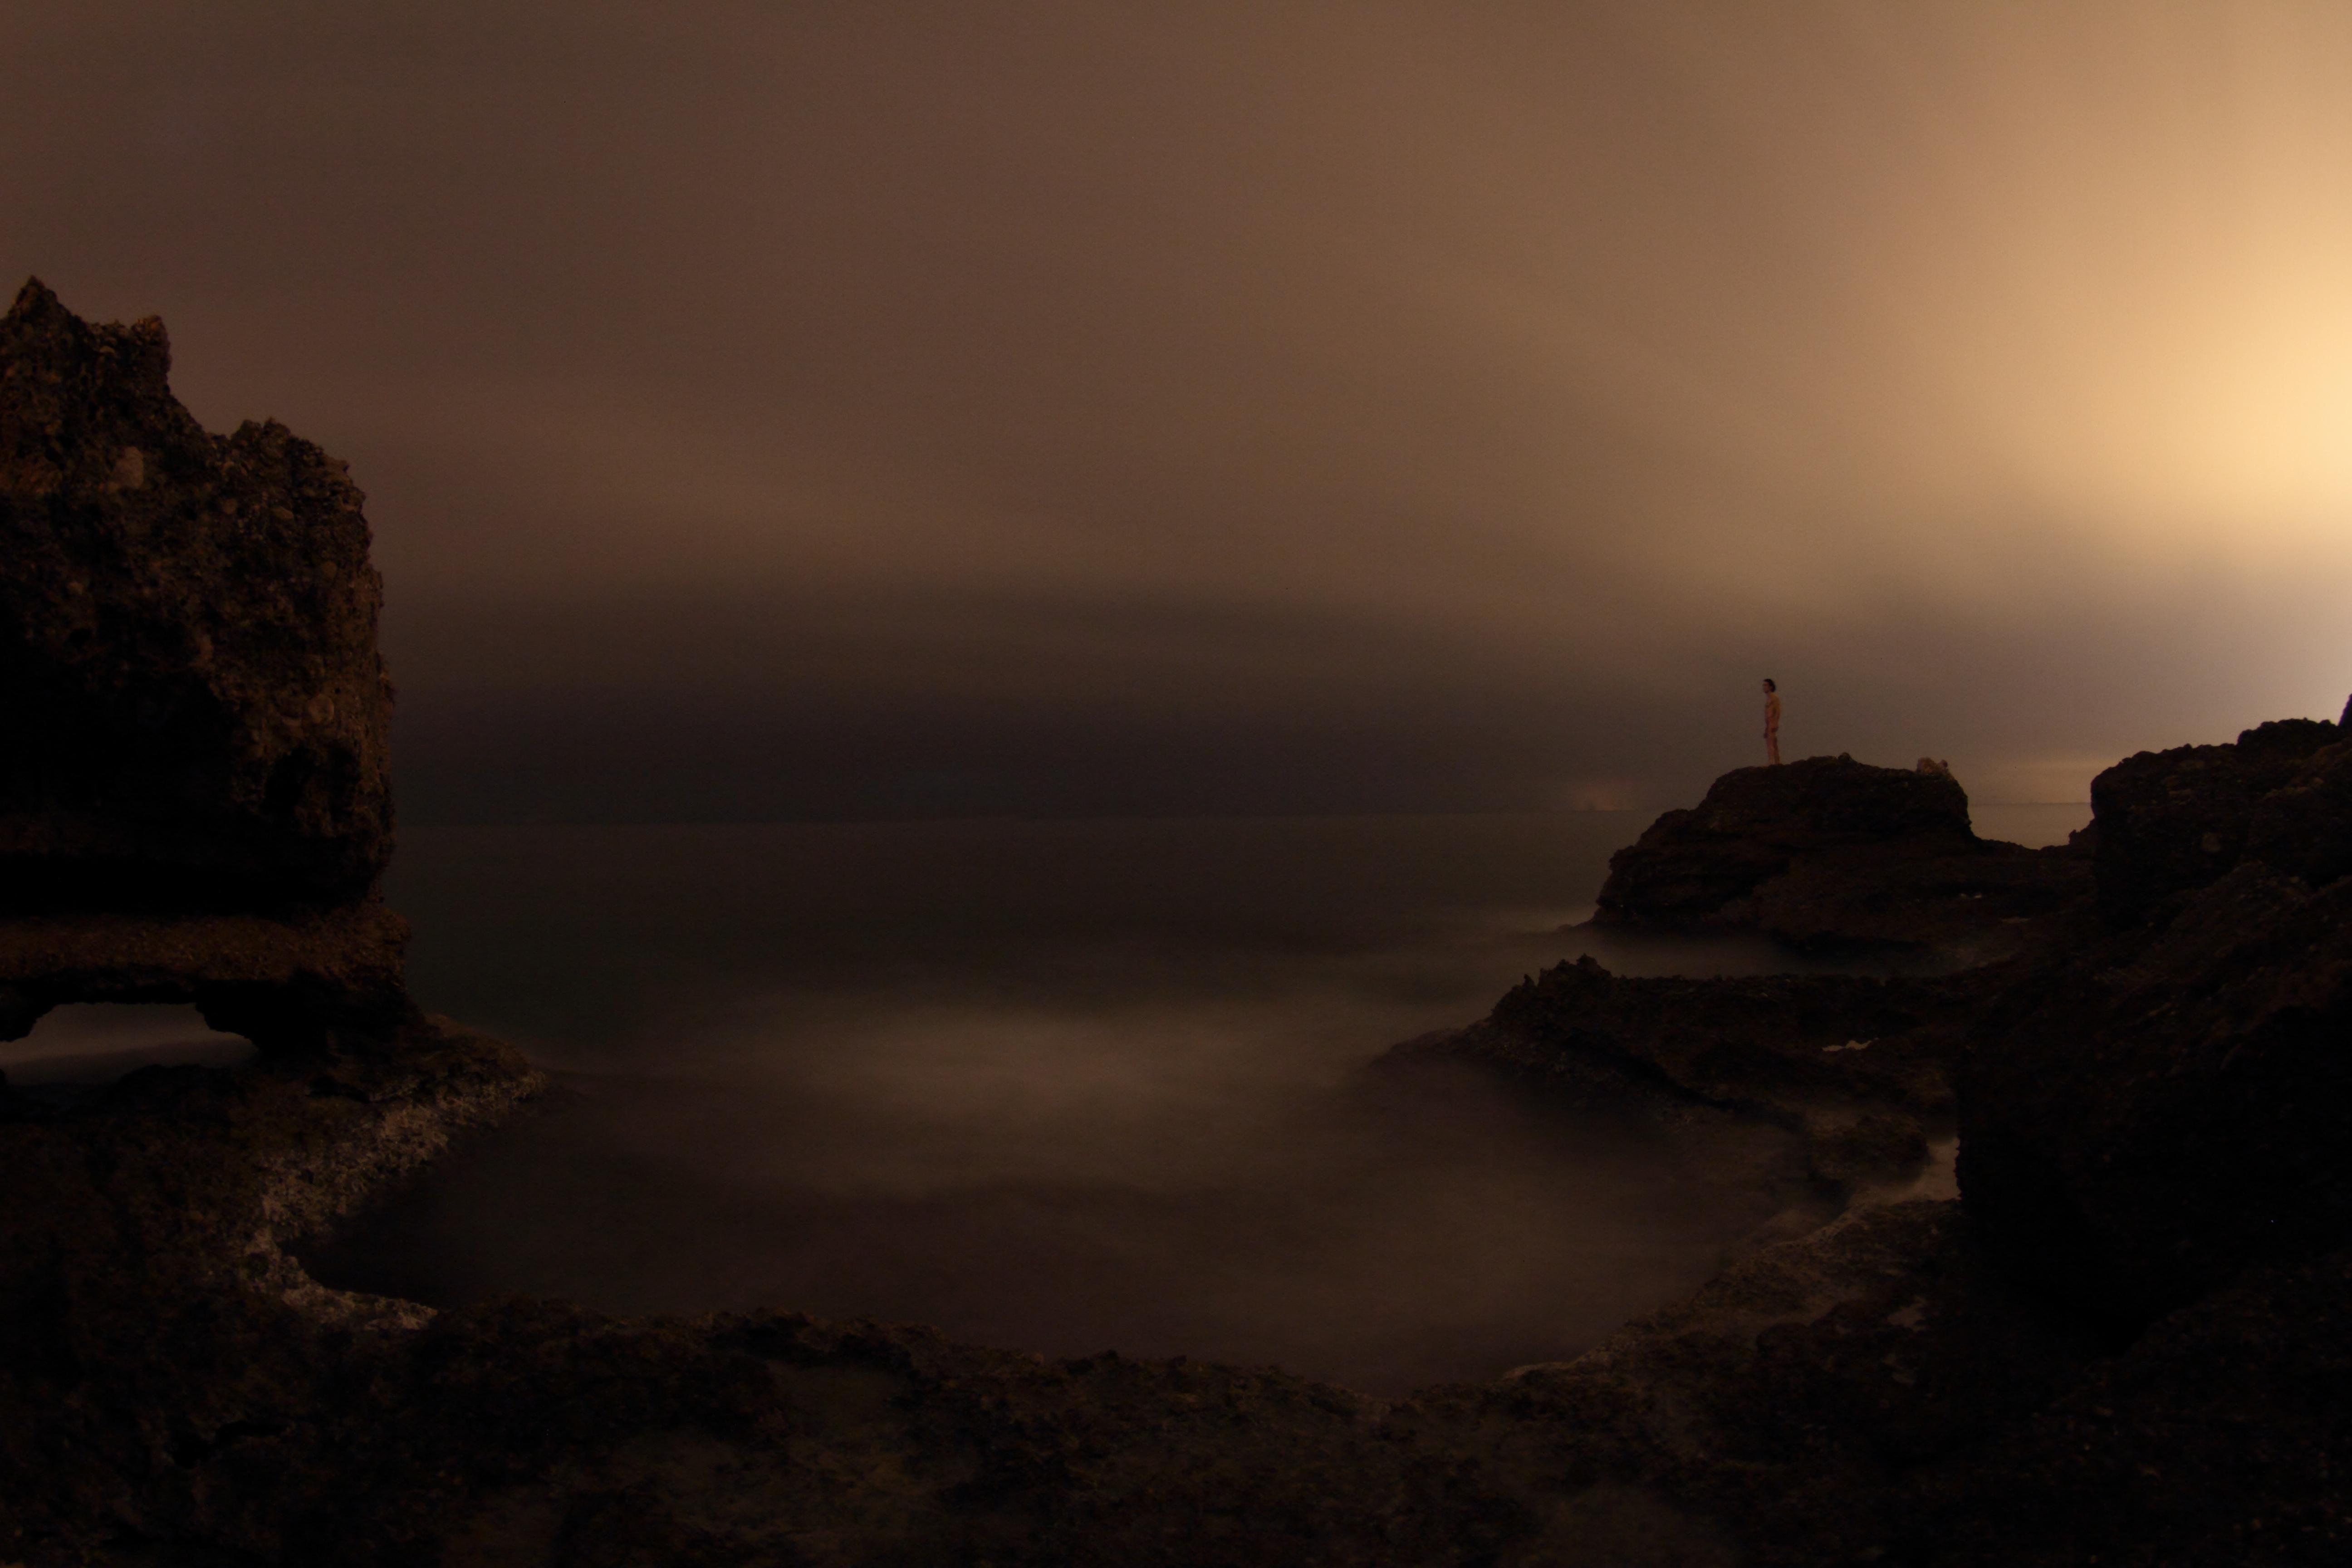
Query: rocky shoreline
x,y
2123,1341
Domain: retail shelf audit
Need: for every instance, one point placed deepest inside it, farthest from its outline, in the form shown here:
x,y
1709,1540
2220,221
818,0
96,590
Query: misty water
x,y
1054,1086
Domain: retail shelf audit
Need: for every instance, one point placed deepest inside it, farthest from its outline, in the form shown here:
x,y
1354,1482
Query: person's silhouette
x,y
1771,722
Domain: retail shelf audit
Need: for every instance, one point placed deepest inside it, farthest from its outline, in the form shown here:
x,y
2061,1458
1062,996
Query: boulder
x,y
1830,853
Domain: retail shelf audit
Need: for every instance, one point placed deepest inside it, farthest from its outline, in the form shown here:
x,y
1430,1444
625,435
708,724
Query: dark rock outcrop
x,y
1857,1065
195,803
2171,822
2145,1118
1700,869
1753,1041
159,1347
198,718
1883,1392
1828,854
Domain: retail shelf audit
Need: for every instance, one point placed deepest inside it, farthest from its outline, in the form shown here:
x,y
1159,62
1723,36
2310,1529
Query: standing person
x,y
1771,722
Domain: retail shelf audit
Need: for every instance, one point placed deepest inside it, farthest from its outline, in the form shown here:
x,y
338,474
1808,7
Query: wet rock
x,y
1828,854
1857,1067
197,715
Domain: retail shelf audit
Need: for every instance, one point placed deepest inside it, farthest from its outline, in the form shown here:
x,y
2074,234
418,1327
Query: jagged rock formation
x,y
1829,854
195,803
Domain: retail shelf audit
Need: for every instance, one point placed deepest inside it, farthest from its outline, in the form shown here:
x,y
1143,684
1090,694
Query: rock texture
x,y
194,798
1829,854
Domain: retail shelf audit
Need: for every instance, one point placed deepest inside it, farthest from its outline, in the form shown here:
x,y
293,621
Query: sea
x,y
1054,1086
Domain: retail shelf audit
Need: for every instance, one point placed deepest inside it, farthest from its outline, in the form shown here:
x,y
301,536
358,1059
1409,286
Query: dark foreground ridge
x,y
2129,1340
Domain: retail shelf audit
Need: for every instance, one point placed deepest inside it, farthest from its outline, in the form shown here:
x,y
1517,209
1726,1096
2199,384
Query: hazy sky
x,y
874,407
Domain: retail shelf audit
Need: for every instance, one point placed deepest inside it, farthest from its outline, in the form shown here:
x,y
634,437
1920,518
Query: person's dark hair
x,y
1769,686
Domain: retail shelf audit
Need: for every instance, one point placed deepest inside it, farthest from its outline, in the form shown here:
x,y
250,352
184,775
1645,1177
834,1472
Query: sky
x,y
775,410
